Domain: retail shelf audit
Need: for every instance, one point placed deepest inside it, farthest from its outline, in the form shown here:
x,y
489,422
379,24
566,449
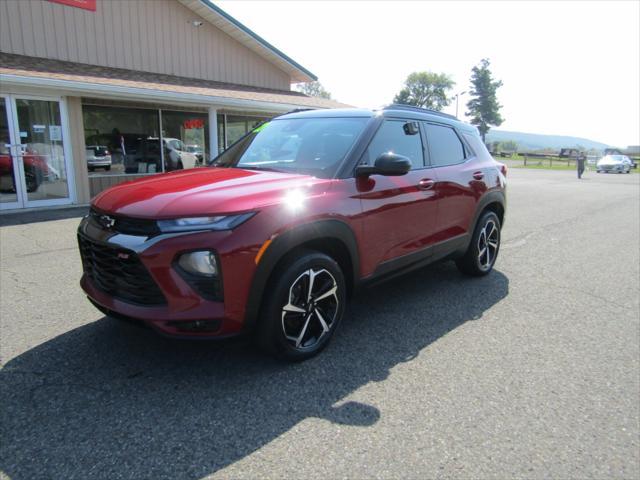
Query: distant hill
x,y
534,141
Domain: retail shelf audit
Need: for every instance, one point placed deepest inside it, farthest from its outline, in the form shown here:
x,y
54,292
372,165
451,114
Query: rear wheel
x,y
303,308
32,181
483,250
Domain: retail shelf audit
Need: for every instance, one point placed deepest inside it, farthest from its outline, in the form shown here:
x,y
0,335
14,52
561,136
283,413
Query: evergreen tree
x,y
484,108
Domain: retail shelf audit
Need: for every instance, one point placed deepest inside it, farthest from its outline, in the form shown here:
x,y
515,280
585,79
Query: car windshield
x,y
311,146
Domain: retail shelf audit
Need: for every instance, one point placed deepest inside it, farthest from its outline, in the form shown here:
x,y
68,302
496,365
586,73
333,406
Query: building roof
x,y
95,80
232,27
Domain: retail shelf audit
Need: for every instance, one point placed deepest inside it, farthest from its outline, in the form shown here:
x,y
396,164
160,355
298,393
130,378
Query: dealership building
x,y
97,92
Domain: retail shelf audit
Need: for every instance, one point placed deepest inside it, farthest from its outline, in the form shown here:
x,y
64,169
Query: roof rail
x,y
399,106
296,110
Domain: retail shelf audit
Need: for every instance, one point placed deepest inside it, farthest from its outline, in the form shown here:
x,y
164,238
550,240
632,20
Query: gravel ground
x,y
530,372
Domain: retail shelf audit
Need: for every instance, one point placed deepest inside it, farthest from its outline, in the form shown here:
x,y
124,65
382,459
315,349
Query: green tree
x,y
426,89
484,108
313,89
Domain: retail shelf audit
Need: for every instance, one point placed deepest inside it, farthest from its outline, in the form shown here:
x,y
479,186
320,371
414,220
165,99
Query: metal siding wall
x,y
148,35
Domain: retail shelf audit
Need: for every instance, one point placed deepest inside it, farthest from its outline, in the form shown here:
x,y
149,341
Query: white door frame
x,y
22,195
17,179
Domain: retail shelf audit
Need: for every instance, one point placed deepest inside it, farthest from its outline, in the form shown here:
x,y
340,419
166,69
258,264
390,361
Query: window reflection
x,y
7,172
186,139
126,140
238,126
41,150
116,140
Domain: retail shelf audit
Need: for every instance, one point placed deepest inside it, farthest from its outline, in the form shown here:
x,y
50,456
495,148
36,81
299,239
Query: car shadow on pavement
x,y
111,400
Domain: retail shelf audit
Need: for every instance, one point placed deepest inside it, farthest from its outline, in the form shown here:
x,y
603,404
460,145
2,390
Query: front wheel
x,y
303,308
483,250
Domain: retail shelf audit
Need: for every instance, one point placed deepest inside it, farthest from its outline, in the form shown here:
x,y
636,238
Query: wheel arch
x,y
332,237
494,201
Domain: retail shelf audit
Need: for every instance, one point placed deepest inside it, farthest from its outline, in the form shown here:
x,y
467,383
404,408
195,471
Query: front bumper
x,y
611,168
185,313
99,162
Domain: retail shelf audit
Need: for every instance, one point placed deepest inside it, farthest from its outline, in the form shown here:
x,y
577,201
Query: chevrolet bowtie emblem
x,y
107,221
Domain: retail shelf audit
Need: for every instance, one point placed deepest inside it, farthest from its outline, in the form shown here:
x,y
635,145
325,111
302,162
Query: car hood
x,y
203,191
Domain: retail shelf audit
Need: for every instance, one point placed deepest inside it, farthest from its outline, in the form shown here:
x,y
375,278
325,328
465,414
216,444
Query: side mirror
x,y
388,164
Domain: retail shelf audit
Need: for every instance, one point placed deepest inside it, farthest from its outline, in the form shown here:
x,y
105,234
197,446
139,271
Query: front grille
x,y
119,272
126,225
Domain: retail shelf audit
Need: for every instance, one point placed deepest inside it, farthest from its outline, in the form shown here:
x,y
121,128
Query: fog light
x,y
202,262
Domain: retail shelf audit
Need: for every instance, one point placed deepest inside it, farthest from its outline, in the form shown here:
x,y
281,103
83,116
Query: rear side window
x,y
445,147
392,136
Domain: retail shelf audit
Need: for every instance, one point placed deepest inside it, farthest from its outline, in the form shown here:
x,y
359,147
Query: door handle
x,y
478,175
426,184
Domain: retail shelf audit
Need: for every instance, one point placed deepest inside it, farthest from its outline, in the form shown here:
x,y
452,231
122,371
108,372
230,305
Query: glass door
x,y
33,163
8,164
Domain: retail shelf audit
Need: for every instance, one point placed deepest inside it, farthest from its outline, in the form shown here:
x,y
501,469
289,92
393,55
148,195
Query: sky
x,y
568,68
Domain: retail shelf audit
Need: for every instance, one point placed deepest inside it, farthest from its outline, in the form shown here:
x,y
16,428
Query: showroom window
x,y
126,140
121,140
237,126
186,139
232,127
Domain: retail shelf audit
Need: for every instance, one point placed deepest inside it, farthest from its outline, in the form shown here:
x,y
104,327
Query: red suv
x,y
289,221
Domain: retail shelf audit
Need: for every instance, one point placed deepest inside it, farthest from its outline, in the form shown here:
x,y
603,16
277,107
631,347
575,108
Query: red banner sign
x,y
194,123
85,4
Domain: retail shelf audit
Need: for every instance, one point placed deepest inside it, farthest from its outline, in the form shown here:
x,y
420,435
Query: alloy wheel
x,y
488,242
311,308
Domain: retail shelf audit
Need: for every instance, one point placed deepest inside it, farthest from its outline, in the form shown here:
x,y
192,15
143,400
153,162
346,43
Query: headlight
x,y
202,262
223,222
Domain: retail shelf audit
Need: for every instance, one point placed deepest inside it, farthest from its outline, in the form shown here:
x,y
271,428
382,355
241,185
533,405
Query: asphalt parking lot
x,y
530,372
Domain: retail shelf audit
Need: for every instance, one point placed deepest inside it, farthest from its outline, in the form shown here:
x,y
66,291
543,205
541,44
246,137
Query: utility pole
x,y
459,94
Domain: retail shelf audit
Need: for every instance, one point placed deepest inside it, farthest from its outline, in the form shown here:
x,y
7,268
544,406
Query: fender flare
x,y
286,242
489,197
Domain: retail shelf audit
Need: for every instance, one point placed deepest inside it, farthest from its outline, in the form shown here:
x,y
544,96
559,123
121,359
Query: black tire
x,y
474,262
32,181
107,168
92,169
282,333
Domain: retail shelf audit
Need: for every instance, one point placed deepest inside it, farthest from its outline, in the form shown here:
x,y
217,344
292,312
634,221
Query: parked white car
x,y
614,163
98,156
179,156
144,156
